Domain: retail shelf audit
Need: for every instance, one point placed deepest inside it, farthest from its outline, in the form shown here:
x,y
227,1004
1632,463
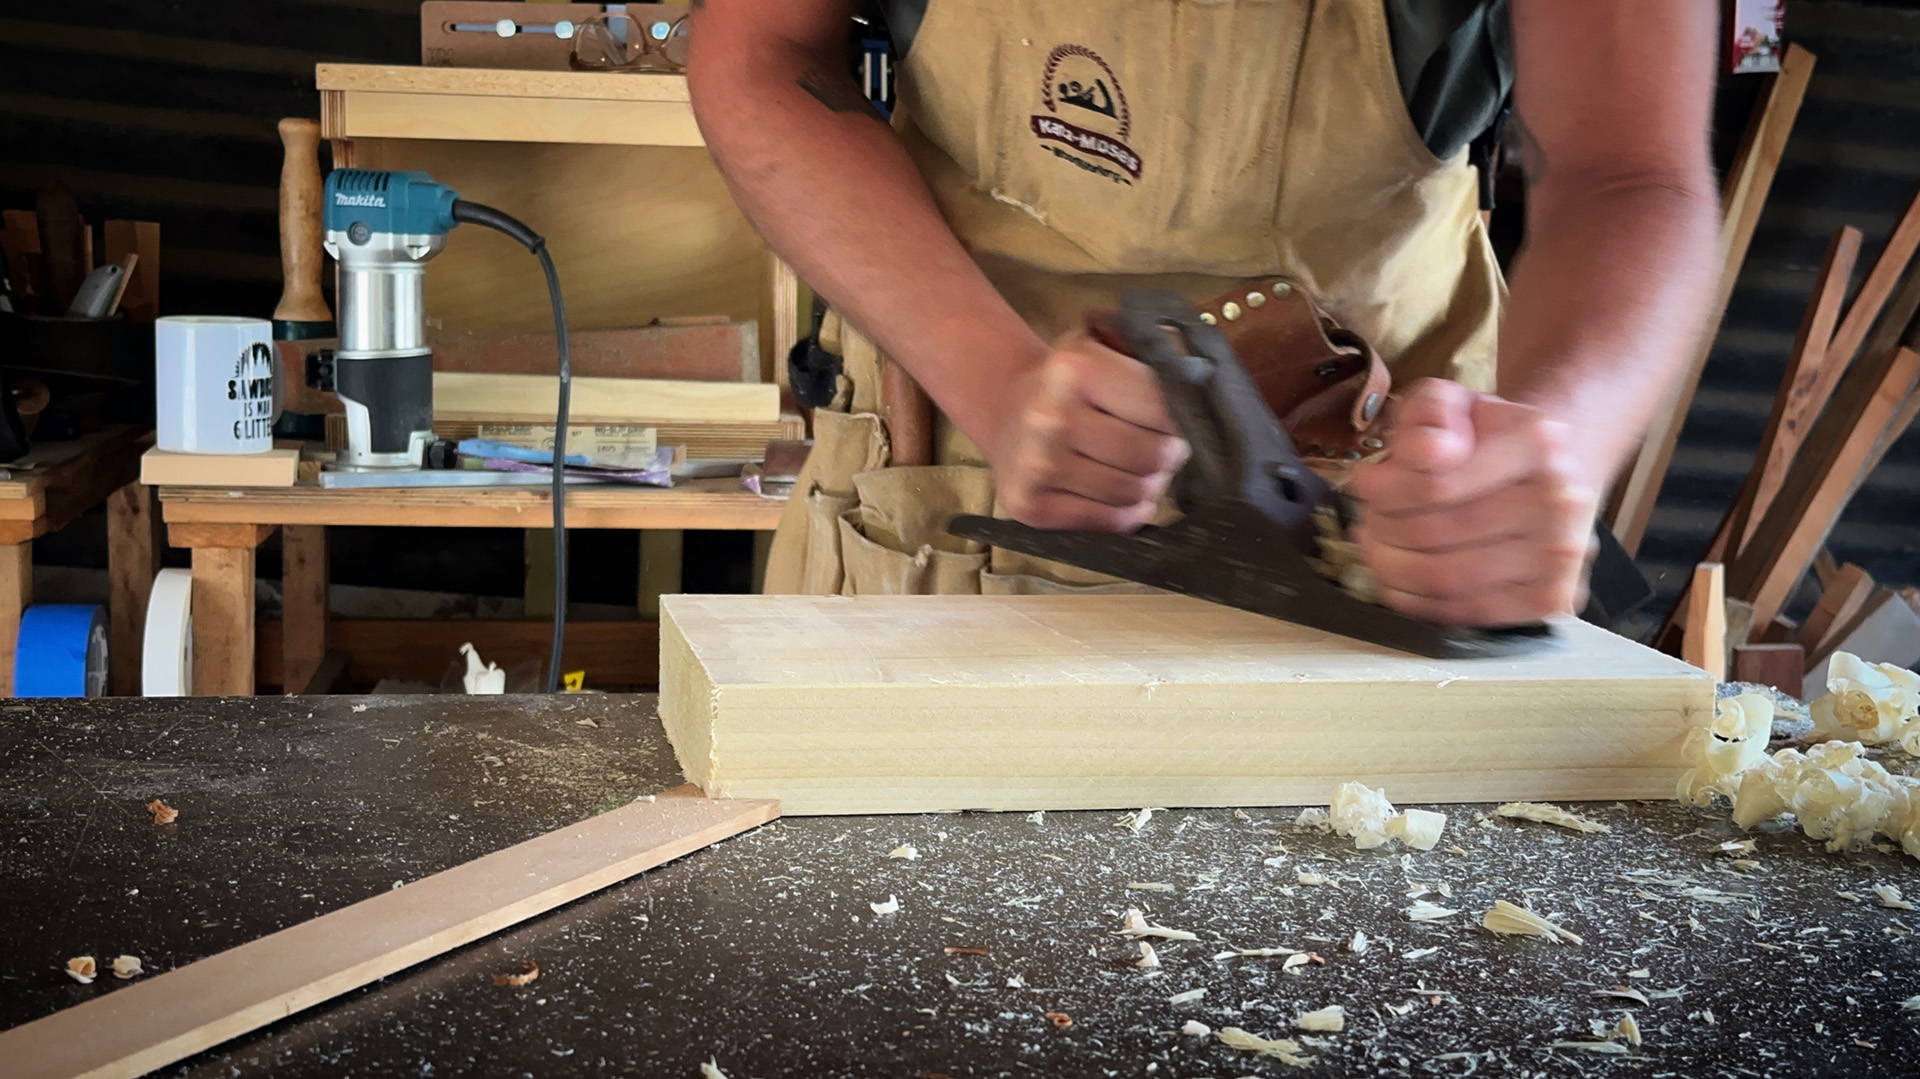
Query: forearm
x,y
1607,304
834,192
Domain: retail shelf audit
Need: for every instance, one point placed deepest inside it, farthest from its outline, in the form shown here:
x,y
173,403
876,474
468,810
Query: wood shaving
x,y
1135,925
1614,1048
905,852
1543,813
529,970
1360,813
1837,794
1359,942
1423,911
1508,919
1911,1004
1285,1050
1417,828
1313,818
1194,1028
1640,972
1310,879
1133,822
1331,1019
82,968
1734,741
711,1070
1187,997
1419,953
891,906
1149,959
1292,964
1060,1020
953,950
1874,703
1890,897
1738,846
126,967
162,812
1242,815
1256,953
1623,992
1149,886
1628,1029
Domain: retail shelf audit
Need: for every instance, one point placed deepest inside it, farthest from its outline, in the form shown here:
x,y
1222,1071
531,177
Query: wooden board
x,y
716,503
722,350
159,1020
893,704
531,399
1705,642
274,468
1743,198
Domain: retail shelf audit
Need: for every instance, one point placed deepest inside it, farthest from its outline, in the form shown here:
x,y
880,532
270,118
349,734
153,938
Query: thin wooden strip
x,y
1705,642
1887,270
509,398
153,1023
1848,444
1744,197
496,82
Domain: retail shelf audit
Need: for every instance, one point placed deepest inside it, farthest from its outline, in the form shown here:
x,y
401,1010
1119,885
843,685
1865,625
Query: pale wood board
x,y
532,398
274,468
711,503
1705,642
893,704
159,1020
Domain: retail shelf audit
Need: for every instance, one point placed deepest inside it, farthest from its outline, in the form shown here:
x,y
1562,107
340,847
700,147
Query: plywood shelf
x,y
484,105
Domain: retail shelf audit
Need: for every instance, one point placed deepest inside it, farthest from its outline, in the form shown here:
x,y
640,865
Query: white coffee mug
x,y
213,384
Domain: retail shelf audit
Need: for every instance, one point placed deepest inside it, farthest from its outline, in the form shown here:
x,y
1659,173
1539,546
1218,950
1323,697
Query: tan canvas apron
x,y
1081,148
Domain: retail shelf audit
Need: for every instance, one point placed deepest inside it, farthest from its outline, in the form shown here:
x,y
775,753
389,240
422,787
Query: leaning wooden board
x,y
159,1020
885,704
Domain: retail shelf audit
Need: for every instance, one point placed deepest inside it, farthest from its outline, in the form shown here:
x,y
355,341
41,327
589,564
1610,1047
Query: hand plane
x,y
1247,536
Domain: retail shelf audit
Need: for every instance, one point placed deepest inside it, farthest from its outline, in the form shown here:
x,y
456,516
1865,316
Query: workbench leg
x,y
536,593
133,557
661,550
16,592
223,621
762,548
303,604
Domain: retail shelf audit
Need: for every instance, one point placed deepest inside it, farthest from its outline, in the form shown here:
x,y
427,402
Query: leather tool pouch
x,y
1325,383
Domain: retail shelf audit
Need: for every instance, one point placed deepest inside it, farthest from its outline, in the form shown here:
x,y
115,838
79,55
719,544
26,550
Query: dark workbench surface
x,y
763,952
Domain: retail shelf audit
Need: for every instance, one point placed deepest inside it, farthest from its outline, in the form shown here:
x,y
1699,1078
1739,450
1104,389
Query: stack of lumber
x,y
1851,388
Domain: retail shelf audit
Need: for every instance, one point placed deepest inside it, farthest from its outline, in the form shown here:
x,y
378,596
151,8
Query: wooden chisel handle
x,y
301,256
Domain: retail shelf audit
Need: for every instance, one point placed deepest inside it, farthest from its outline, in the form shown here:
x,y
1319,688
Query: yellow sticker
x,y
573,681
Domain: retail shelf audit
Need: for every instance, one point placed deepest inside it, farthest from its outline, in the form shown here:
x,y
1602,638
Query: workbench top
x,y
764,954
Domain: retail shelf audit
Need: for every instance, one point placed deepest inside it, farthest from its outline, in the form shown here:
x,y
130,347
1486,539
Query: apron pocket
x,y
822,574
873,570
908,508
844,445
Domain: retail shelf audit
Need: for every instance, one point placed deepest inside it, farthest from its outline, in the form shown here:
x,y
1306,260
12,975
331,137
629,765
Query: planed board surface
x,y
163,1019
894,704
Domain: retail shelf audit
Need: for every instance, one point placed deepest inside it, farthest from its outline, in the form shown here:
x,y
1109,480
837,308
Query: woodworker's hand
x,y
1088,443
1481,513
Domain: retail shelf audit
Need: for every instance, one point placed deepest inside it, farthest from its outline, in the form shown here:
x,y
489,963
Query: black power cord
x,y
476,214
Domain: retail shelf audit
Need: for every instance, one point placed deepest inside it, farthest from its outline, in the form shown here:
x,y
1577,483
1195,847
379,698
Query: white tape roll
x,y
166,648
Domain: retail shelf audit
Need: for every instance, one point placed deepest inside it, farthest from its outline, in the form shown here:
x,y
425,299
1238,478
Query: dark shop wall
x,y
1853,159
164,111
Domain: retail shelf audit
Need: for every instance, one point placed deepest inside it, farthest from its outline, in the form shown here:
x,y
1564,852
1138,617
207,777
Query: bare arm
x,y
1078,436
825,180
1614,102
1483,511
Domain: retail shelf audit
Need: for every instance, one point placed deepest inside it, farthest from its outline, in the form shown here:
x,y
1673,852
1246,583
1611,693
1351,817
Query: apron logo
x,y
1086,114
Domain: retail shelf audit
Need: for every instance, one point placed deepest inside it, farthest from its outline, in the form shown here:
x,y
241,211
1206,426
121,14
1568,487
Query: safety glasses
x,y
617,41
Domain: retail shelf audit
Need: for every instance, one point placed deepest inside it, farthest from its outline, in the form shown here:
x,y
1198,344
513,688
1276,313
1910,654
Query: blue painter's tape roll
x,y
62,651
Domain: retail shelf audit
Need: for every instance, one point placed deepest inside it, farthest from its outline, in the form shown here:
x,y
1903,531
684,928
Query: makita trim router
x,y
381,228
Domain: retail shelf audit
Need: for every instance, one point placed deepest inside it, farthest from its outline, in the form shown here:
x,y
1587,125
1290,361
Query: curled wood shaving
x,y
1890,897
1836,792
905,852
1733,742
1419,953
891,906
1510,920
1629,1029
1060,1020
1330,1019
1133,822
1423,911
1613,1048
1135,925
162,812
1417,828
1285,1050
1149,959
1875,703
529,970
1360,813
1310,879
82,968
126,967
1313,818
711,1069
1911,1004
1187,997
1194,1028
1359,942
1543,813
1623,992
1292,964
